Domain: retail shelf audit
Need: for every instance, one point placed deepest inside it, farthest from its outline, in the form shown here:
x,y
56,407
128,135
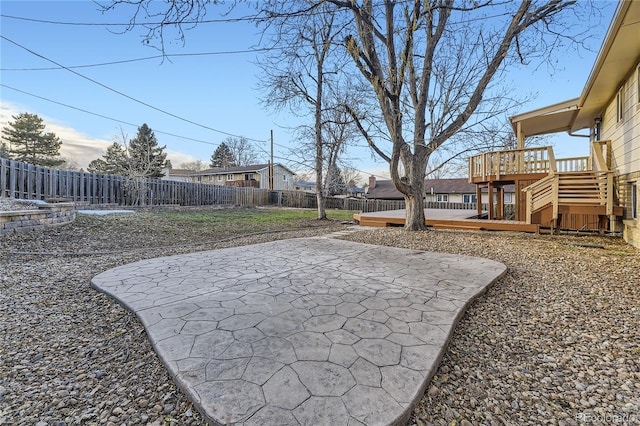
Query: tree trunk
x,y
320,196
411,185
414,203
322,214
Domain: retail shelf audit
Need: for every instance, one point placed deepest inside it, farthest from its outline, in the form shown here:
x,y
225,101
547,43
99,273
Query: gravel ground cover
x,y
555,341
70,355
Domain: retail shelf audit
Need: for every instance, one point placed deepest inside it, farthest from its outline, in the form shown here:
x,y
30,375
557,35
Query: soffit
x,y
619,53
550,119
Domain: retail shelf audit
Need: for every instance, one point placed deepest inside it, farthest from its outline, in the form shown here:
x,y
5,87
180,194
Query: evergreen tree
x,y
147,159
114,162
28,142
222,157
335,184
4,150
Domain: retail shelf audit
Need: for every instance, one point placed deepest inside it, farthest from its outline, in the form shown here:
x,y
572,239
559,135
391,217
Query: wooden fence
x,y
26,181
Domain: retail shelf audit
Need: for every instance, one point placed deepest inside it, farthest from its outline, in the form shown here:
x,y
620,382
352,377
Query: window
x,y
230,176
620,105
508,198
469,198
634,200
248,176
284,178
220,178
442,198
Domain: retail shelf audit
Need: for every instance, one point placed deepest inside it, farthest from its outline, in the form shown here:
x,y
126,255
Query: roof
x,y
253,168
449,186
619,52
551,119
386,190
180,172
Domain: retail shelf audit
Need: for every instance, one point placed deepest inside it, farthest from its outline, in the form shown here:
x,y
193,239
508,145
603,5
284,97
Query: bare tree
x,y
430,65
304,176
339,130
352,176
196,165
242,151
303,73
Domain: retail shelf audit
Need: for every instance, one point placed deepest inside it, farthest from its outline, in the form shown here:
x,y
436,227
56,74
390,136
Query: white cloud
x,y
178,158
78,148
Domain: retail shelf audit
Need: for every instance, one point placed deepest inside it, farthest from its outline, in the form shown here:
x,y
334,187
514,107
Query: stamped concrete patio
x,y
303,331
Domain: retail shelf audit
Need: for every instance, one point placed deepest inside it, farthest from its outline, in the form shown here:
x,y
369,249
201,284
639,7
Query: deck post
x,y
602,224
479,199
529,206
519,135
500,213
490,200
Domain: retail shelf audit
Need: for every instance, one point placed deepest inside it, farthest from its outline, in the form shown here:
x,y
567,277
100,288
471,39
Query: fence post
x,y
4,172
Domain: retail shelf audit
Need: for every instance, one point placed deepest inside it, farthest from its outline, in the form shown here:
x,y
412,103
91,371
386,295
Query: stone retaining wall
x,y
47,215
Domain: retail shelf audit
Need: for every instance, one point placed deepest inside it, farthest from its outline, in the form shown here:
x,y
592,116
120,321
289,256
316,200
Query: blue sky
x,y
215,91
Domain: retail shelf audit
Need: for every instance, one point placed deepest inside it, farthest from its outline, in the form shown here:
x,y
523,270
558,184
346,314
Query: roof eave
x,y
619,52
550,119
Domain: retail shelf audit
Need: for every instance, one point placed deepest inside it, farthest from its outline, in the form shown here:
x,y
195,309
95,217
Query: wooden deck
x,y
445,219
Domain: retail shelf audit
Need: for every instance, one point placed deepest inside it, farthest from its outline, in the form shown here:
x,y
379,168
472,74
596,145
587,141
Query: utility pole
x,y
271,168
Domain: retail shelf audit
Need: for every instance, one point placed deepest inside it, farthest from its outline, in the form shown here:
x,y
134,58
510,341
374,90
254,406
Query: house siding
x,y
279,184
260,177
625,150
624,135
631,226
459,198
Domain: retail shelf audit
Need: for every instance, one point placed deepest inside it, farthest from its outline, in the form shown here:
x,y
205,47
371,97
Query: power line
x,y
130,24
125,61
103,116
205,21
60,66
125,95
160,131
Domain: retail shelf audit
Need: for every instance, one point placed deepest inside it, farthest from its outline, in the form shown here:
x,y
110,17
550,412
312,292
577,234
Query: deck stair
x,y
577,191
586,192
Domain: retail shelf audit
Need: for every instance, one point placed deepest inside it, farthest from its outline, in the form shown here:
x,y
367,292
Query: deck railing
x,y
512,162
576,180
524,161
589,188
573,164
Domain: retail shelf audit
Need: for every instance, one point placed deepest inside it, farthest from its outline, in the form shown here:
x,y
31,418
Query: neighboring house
x,y
356,192
255,176
311,188
602,188
305,186
180,175
382,190
457,190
